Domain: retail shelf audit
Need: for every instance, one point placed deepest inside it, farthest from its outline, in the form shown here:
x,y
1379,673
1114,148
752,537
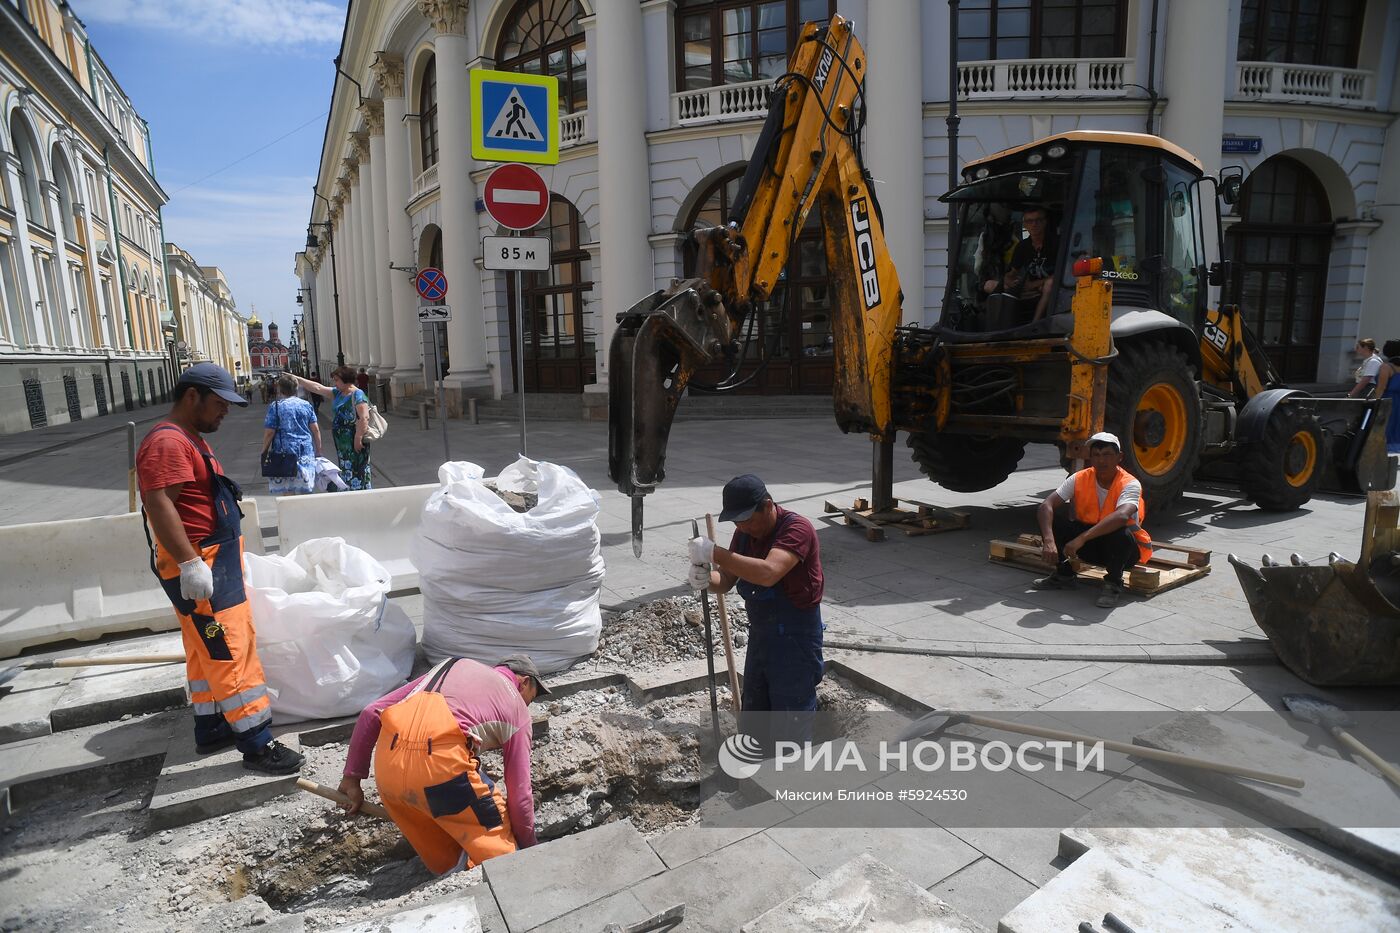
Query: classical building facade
x,y
84,316
208,327
268,355
660,105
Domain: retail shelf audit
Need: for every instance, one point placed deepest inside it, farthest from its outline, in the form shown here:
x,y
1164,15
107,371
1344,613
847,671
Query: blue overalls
x,y
784,661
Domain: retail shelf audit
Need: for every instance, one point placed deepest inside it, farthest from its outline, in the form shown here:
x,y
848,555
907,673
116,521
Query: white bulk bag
x,y
329,639
496,581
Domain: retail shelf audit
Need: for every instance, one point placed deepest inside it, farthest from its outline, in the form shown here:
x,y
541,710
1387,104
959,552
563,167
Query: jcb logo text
x,y
823,71
865,252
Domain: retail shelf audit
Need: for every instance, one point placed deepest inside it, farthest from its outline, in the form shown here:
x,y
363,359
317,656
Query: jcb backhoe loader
x,y
1125,340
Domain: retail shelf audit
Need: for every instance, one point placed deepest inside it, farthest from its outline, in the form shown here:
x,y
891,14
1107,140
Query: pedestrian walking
x,y
291,439
349,422
427,738
192,509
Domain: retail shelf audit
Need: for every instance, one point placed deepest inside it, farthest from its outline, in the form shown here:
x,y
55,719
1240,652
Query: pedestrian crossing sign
x,y
515,117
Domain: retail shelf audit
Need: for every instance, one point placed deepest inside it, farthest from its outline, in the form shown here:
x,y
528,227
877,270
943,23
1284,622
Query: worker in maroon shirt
x,y
192,509
775,560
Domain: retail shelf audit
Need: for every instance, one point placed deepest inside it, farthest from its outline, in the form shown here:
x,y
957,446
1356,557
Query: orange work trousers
x,y
221,650
430,780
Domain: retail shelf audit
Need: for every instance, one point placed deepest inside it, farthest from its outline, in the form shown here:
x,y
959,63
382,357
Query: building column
x,y
895,140
624,178
1198,41
1342,313
63,284
382,322
388,69
366,266
340,235
466,333
354,330
97,316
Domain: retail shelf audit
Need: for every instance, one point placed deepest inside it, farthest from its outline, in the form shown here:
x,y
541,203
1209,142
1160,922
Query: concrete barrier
x,y
381,522
84,578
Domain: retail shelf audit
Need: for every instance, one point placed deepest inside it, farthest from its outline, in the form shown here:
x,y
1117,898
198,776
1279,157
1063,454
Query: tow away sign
x,y
526,253
432,314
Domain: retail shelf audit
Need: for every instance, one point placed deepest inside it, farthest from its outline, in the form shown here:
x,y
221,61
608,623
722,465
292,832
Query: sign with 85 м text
x,y
525,253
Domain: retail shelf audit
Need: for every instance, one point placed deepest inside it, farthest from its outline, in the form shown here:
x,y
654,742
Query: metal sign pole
x,y
520,349
441,393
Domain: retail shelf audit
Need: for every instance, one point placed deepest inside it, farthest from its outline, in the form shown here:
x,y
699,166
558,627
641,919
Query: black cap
x,y
213,376
523,665
742,495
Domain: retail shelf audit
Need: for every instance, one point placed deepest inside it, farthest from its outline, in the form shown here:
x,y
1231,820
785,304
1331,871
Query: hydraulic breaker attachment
x,y
1356,461
1336,624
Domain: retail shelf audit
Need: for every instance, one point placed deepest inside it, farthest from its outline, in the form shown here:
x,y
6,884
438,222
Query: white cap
x,y
1103,437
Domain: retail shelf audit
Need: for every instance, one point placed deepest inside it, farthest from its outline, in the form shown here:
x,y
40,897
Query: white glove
x,y
699,578
702,550
196,579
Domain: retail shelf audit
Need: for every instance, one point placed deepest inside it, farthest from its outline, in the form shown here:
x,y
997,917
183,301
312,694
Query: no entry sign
x,y
431,284
516,197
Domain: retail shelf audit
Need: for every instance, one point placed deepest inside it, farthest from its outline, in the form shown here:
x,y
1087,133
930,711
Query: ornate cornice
x,y
388,71
359,145
373,112
351,172
447,16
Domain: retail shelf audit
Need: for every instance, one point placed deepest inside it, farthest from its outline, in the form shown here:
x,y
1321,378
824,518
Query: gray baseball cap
x,y
523,665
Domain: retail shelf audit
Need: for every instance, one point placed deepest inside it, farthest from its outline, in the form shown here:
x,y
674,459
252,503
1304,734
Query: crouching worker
x,y
427,738
192,508
1106,528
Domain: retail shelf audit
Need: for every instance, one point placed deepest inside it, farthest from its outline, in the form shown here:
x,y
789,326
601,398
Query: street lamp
x,y
313,346
312,243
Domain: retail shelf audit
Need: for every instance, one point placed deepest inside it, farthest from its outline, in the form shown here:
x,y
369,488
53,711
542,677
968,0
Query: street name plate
x,y
429,314
527,253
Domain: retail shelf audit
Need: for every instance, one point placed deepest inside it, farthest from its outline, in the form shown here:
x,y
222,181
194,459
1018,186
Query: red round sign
x,y
516,197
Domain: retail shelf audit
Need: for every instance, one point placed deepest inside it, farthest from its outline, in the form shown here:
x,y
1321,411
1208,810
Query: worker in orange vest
x,y
1102,526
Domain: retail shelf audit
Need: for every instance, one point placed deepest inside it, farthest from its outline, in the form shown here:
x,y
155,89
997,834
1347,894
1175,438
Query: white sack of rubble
x,y
496,581
329,639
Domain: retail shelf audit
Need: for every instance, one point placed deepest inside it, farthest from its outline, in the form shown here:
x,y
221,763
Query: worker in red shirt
x,y
192,508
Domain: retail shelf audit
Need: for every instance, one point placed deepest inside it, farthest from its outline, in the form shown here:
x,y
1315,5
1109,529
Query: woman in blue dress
x,y
1388,386
290,427
349,421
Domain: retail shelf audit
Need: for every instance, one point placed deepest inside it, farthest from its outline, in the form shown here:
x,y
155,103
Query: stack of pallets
x,y
1171,565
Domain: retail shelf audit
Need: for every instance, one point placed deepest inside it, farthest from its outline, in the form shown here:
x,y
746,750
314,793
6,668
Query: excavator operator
x,y
1030,276
775,560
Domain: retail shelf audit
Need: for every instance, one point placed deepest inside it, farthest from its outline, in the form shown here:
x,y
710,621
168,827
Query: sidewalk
x,y
26,444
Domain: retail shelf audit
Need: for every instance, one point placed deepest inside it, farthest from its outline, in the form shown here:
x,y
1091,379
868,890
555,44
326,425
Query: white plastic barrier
x,y
84,578
380,522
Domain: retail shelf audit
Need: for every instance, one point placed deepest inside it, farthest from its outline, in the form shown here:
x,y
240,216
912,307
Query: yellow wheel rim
x,y
1159,429
1302,453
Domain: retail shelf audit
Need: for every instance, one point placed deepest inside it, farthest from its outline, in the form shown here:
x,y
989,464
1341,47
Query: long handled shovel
x,y
330,793
709,648
10,673
1335,720
724,630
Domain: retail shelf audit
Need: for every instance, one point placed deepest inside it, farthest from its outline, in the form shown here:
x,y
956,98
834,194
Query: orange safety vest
x,y
1088,510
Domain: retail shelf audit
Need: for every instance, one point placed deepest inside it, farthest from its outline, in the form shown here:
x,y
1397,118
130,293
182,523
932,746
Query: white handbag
x,y
376,427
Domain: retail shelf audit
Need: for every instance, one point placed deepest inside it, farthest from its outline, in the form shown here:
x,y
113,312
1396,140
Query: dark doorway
x,y
560,341
1280,249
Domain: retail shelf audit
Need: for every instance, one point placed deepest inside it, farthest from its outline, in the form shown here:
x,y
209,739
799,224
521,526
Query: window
x,y
13,326
34,207
94,199
1182,263
560,342
544,37
126,216
731,42
1303,32
427,115
993,29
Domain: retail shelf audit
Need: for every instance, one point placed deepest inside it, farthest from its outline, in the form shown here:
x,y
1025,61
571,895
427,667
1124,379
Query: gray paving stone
x,y
726,888
28,698
864,894
194,787
1101,696
688,843
331,732
621,908
1176,686
931,682
457,916
685,677
103,694
94,756
536,885
984,891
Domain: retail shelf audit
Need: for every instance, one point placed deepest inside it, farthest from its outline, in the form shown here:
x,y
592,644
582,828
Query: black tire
x,y
966,462
1154,406
1280,471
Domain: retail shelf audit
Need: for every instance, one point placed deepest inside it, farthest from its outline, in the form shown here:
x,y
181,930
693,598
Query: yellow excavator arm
x,y
807,156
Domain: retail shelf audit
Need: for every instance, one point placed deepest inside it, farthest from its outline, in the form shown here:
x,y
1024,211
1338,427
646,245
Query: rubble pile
x,y
667,631
521,502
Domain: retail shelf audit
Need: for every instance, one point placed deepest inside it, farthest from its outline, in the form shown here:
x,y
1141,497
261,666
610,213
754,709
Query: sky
x,y
236,94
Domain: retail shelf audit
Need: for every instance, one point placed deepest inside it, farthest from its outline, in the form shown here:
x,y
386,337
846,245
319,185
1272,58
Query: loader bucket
x,y
658,344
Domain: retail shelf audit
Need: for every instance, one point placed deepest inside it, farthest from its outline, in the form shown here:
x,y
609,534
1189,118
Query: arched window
x,y
544,37
1302,32
728,42
427,114
66,192
560,339
793,327
29,176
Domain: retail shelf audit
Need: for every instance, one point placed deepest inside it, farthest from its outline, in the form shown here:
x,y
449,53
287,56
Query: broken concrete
x,y
194,787
104,694
458,916
862,895
109,754
25,702
534,886
1329,806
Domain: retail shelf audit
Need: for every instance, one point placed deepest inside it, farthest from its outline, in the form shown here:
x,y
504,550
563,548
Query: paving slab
x,y
1336,790
94,756
1256,880
1176,686
457,916
688,843
194,787
104,694
984,891
621,908
727,888
28,698
864,894
326,732
675,679
536,885
924,682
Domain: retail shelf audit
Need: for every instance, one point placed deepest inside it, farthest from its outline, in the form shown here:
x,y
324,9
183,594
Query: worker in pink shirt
x,y
427,737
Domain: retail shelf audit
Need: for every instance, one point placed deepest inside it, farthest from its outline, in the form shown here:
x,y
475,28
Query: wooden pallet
x,y
1156,576
926,520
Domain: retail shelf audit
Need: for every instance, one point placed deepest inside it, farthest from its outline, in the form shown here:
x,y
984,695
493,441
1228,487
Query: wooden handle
x,y
1391,772
330,793
1139,751
117,659
724,630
